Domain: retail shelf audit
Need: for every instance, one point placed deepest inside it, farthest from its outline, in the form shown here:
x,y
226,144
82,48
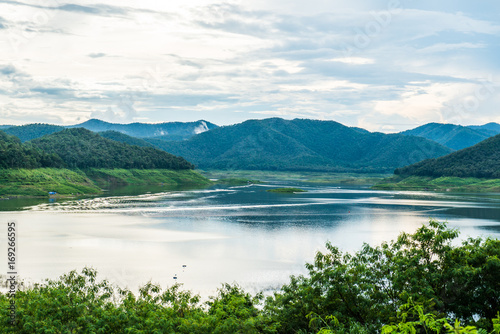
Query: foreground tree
x,y
368,288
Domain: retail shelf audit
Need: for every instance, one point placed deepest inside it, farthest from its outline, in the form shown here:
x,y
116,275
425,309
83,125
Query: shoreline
x,y
68,183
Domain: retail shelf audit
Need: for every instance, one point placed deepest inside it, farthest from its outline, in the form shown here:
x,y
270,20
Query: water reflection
x,y
226,234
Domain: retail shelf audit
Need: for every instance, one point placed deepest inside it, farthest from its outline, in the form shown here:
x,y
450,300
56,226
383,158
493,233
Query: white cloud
x,y
228,61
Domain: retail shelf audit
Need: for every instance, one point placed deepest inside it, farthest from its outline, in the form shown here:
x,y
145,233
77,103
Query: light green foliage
x,y
38,182
106,177
444,183
428,323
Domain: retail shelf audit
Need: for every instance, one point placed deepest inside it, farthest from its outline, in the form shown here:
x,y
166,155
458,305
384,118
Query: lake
x,y
205,237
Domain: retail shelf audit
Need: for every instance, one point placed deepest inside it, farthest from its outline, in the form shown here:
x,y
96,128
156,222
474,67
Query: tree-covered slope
x,y
14,154
31,131
81,148
121,137
164,131
481,160
453,136
301,144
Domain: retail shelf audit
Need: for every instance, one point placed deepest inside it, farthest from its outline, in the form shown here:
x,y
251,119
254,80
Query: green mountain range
x,y
81,148
481,161
32,131
302,144
158,131
454,136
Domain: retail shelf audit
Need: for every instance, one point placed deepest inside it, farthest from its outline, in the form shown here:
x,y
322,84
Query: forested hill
x,y
81,148
481,160
453,136
14,154
302,144
32,131
121,137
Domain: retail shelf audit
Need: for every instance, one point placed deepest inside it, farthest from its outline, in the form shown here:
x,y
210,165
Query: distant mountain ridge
x,y
494,127
165,131
454,136
32,131
302,144
162,131
481,160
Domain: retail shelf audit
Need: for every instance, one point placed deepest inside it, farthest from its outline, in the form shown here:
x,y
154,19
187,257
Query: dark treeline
x,y
81,148
481,160
419,283
14,154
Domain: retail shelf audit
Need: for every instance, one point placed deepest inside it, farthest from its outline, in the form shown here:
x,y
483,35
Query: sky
x,y
384,66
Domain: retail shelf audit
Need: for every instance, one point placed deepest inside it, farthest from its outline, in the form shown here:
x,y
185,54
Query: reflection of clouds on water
x,y
235,234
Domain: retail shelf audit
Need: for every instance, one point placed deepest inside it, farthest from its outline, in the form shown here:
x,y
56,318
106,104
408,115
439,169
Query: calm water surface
x,y
225,234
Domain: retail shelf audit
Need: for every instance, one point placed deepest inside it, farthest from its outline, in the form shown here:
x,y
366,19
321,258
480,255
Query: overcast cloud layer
x,y
381,65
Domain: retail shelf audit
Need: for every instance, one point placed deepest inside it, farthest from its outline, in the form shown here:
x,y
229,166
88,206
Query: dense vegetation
x,y
301,144
481,161
14,154
162,131
419,283
453,136
81,148
32,131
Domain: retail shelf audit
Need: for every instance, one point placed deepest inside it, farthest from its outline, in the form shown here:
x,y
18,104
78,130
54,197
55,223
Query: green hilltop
x,y
81,148
481,160
14,154
78,161
472,169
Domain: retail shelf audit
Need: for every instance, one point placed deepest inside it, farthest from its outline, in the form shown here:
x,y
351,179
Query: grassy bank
x,y
110,177
469,184
314,177
38,182
286,190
